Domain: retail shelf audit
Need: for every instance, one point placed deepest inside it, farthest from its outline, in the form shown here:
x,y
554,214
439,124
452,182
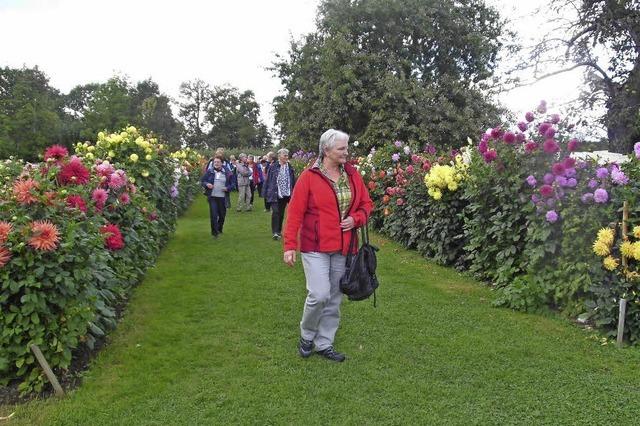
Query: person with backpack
x,y
329,200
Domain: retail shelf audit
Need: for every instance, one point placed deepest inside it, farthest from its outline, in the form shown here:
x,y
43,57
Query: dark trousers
x,y
252,188
217,212
264,196
227,200
277,214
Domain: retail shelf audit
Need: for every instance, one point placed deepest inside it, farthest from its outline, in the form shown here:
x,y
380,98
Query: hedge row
x,y
520,211
76,234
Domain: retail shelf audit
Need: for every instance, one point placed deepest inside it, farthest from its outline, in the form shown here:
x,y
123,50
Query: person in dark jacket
x,y
330,199
225,165
256,177
281,179
270,159
217,181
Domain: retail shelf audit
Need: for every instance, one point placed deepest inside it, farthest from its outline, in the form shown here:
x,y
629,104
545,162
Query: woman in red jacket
x,y
328,201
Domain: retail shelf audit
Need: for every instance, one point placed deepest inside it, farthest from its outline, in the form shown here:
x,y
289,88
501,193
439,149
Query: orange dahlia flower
x,y
5,228
22,190
45,235
5,256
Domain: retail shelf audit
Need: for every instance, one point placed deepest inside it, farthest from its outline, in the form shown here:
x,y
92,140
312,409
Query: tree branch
x,y
605,77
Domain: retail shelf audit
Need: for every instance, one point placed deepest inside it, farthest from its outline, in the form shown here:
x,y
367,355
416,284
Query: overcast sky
x,y
77,42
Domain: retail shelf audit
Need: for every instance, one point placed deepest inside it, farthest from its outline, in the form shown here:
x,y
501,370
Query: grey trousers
x,y
244,197
321,315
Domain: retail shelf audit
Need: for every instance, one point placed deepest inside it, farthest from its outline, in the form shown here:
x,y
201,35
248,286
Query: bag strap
x,y
364,230
352,244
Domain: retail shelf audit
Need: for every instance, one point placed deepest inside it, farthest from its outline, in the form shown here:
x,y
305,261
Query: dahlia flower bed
x,y
517,209
77,231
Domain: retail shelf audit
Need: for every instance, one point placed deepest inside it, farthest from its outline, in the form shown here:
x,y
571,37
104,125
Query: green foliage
x,y
34,115
495,221
407,69
31,114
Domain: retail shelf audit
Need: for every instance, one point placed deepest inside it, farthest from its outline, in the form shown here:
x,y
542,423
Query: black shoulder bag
x,y
359,281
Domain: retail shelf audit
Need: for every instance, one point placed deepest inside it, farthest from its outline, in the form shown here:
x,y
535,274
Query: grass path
x,y
209,338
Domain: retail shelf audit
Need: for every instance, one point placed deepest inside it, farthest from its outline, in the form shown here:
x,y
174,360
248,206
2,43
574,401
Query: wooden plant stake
x,y
621,314
47,370
625,220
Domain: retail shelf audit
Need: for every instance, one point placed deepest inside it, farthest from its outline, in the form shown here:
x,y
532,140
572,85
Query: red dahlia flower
x,y
113,237
76,201
56,152
546,191
74,173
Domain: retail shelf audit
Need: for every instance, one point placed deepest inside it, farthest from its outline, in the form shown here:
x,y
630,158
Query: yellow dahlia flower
x,y
626,248
606,235
610,263
600,248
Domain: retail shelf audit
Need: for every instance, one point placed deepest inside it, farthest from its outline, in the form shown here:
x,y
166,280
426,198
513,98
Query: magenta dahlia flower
x,y
573,145
117,179
550,146
558,169
483,146
529,117
56,152
530,147
509,137
490,155
546,191
550,133
543,127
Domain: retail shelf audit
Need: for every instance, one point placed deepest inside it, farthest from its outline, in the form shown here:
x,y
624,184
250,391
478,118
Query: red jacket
x,y
314,213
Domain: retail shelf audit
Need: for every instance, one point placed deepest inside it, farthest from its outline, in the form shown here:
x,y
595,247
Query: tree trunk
x,y
623,113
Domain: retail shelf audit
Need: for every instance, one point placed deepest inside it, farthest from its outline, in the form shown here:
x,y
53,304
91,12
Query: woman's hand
x,y
347,224
210,186
290,257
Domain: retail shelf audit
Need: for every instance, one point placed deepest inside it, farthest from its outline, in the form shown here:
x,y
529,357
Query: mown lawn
x,y
210,338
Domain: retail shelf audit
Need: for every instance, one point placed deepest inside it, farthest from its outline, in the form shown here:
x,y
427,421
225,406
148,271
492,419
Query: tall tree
x,y
235,119
379,69
152,111
602,37
109,107
196,99
30,113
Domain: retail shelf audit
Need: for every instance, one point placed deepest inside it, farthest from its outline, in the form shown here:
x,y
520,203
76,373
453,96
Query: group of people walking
x,y
326,202
272,176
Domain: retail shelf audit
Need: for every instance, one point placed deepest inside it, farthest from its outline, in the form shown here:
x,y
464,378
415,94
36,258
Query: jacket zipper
x,y
338,202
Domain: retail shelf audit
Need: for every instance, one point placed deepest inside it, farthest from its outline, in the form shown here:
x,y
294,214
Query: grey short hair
x,y
283,151
242,155
328,140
